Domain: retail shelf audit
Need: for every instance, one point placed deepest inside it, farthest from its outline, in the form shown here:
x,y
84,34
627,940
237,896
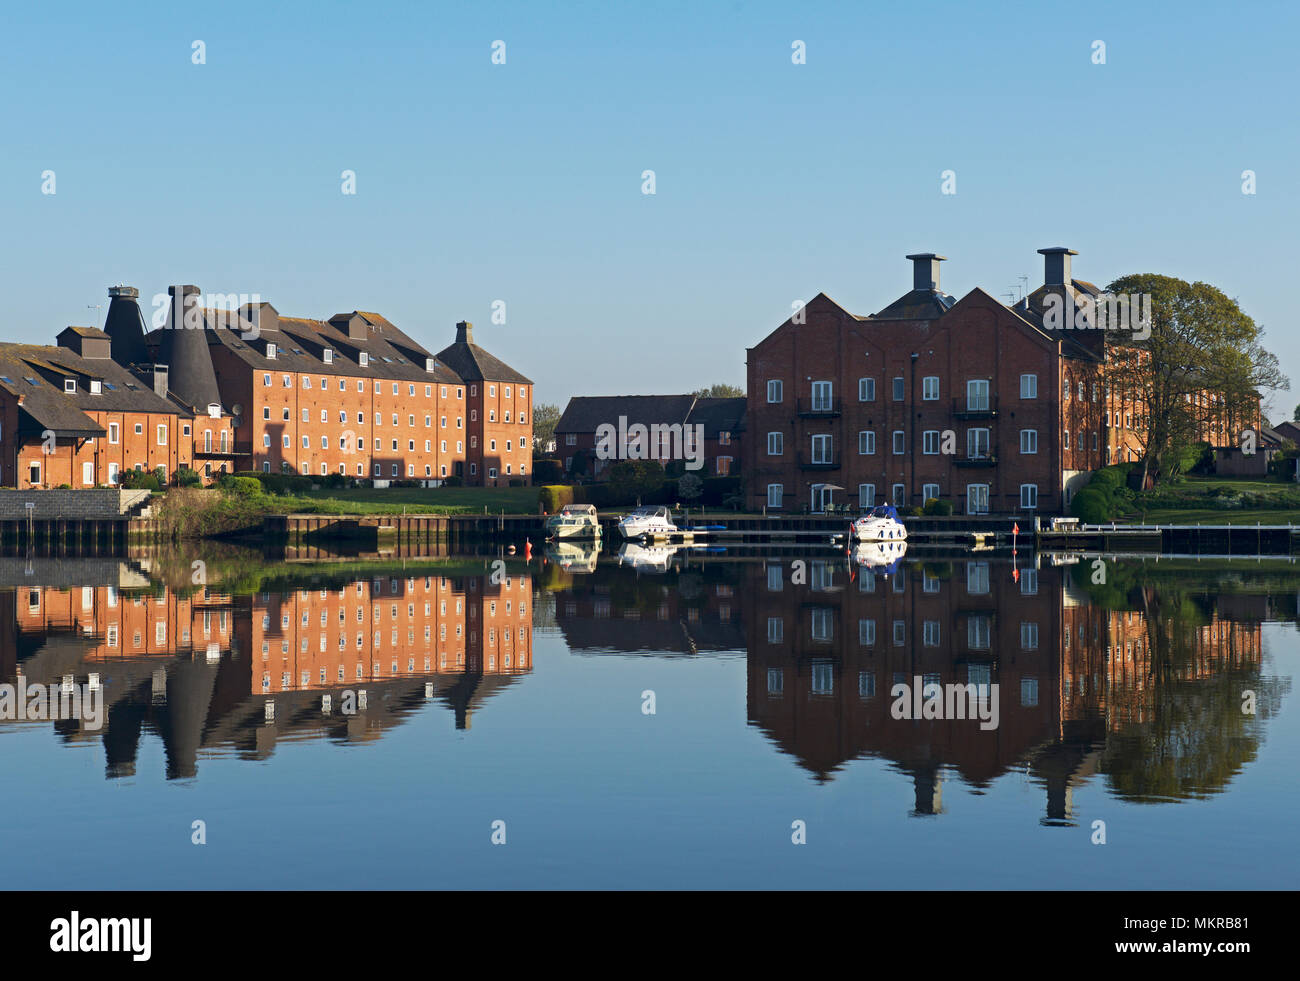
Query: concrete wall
x,y
68,505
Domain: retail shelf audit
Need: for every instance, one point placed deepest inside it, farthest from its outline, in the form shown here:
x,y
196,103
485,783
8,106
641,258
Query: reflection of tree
x,y
1190,735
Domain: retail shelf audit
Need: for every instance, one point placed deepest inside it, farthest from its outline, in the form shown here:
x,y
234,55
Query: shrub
x,y
139,480
516,482
186,477
64,487
242,486
717,489
1090,506
453,482
937,507
552,497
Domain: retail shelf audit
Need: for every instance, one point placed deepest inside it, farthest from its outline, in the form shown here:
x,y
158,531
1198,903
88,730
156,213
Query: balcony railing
x,y
975,408
812,408
807,462
977,460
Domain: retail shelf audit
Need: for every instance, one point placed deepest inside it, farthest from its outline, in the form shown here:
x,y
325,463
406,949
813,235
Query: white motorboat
x,y
880,524
573,521
650,520
647,558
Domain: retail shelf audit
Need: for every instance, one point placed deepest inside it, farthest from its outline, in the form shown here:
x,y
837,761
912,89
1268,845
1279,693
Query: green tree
x,y
545,416
720,391
1296,416
1200,341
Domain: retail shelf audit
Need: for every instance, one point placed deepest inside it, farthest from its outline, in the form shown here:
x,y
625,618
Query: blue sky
x,y
522,182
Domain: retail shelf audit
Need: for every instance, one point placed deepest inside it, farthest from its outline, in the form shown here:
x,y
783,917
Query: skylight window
x,y
6,379
110,386
33,381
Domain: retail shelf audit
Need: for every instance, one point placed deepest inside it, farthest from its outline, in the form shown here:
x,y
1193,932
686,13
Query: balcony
x,y
968,408
977,461
806,462
818,408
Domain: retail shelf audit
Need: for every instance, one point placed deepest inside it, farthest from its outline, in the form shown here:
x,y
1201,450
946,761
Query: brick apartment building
x,y
971,401
722,419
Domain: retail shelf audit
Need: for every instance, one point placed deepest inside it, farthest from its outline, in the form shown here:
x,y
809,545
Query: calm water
x,y
522,694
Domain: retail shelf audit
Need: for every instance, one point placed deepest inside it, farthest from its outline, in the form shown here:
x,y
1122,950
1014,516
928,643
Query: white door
x,y
977,498
112,473
88,473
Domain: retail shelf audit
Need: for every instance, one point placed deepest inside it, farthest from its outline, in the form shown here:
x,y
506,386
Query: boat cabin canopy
x,y
579,510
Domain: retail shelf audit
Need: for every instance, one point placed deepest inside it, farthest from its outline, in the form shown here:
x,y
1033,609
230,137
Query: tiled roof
x,y
473,363
586,413
718,415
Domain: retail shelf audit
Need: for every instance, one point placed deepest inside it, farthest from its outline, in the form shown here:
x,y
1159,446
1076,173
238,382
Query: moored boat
x,y
880,524
573,521
650,520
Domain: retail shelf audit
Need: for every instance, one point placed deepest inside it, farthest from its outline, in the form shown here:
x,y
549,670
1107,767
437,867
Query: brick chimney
x,y
464,332
925,270
1056,266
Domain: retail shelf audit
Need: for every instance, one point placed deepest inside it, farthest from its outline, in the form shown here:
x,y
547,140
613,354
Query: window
x,y
266,439
900,495
139,429
821,449
821,396
866,632
1028,636
270,352
286,441
1081,391
327,356
266,412
930,633
343,416
977,444
113,432
930,442
775,634
900,442
866,442
266,380
363,359
930,388
929,492
1029,495
898,389
306,381
1029,441
866,495
1029,386
866,390
775,444
324,415
977,395
1065,440
70,385
571,439
774,492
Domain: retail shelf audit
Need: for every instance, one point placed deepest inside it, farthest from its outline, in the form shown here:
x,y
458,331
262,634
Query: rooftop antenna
x,y
1024,286
96,307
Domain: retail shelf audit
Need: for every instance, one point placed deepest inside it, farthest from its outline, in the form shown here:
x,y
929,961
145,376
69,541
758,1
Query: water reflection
x,y
1137,678
213,673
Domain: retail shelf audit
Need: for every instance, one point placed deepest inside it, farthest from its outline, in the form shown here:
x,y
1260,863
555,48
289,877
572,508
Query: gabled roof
x,y
917,305
586,413
718,415
45,405
473,363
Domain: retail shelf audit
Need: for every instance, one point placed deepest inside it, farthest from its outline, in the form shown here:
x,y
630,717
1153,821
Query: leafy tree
x,y
1200,341
545,416
1296,416
720,391
635,478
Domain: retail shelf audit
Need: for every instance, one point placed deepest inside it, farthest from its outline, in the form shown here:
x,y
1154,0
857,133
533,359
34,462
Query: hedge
x,y
552,497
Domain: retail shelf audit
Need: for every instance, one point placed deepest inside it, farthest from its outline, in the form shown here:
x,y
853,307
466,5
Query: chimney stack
x,y
464,332
1056,266
925,270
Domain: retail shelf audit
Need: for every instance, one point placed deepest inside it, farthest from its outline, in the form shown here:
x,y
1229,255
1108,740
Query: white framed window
x,y
822,400
113,433
1029,386
898,390
977,395
900,442
1029,441
867,632
774,390
1029,495
866,495
775,444
866,443
1065,440
866,390
930,388
929,492
930,633
775,635
821,448
1028,636
930,442
774,495
977,444
900,497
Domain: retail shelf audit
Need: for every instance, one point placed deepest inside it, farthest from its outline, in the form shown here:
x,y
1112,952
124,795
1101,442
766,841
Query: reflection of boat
x,y
880,524
573,521
574,557
647,558
882,557
651,520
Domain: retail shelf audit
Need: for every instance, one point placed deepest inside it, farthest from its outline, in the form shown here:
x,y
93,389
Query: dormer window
x,y
429,364
214,410
329,356
95,386
70,385
270,352
363,359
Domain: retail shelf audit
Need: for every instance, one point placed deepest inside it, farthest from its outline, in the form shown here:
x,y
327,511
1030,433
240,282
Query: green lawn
x,y
419,500
1209,516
